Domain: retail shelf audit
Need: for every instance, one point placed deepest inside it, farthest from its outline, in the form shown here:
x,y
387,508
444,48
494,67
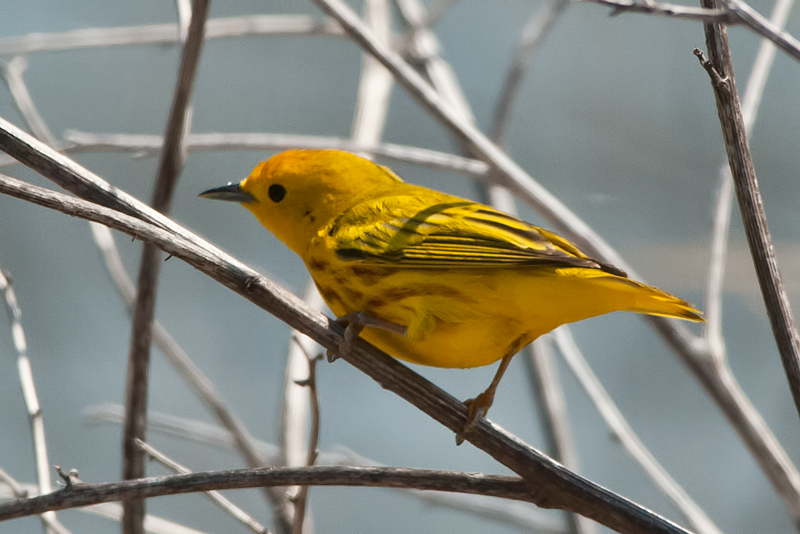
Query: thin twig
x,y
146,145
720,69
423,49
375,83
172,158
551,484
755,21
515,514
294,411
215,496
26,383
623,433
12,74
726,12
313,441
218,28
417,24
201,385
552,408
18,490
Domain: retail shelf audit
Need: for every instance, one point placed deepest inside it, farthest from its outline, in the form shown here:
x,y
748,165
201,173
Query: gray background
x,y
616,118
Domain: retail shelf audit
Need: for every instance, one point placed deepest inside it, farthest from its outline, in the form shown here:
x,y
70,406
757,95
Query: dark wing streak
x,y
403,242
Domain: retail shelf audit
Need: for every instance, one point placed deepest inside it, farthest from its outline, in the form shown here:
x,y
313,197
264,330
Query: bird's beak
x,y
232,192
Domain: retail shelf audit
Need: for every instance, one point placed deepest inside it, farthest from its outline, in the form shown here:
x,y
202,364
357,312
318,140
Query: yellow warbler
x,y
431,278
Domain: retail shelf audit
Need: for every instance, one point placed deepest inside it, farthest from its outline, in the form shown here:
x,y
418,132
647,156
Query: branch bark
x,y
172,158
83,494
550,484
719,67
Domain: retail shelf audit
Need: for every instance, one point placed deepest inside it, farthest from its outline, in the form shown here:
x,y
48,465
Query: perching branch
x,y
111,510
550,484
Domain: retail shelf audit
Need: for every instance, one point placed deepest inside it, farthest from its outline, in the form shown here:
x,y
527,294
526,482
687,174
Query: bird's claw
x,y
353,325
477,409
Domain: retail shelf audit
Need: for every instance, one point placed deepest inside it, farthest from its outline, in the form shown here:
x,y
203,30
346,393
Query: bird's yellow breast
x,y
455,317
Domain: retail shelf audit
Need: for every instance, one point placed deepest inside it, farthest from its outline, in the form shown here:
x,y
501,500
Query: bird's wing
x,y
454,233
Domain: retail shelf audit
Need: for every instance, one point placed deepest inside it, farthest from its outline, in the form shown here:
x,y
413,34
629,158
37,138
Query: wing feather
x,y
454,233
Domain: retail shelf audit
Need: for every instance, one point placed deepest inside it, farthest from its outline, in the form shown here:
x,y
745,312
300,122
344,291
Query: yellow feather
x,y
468,282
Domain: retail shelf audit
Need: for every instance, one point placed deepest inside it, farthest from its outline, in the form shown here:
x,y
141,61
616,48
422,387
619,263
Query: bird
x,y
428,277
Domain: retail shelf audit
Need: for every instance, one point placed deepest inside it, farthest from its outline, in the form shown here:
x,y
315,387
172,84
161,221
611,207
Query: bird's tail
x,y
653,301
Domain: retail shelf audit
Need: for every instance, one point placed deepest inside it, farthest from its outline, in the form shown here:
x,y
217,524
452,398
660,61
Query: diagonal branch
x,y
215,496
622,432
550,484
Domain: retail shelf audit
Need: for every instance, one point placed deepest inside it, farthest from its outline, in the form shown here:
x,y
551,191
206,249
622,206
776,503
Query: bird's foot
x,y
477,409
354,323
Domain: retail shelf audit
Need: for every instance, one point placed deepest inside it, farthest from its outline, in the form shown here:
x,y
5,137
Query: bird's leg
x,y
354,323
479,406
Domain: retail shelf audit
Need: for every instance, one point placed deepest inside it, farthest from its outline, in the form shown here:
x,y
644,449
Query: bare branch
x,y
286,25
726,12
26,383
144,145
313,442
552,408
512,513
385,477
172,158
533,34
551,484
12,74
722,212
763,27
720,70
17,489
110,510
293,421
677,11
215,496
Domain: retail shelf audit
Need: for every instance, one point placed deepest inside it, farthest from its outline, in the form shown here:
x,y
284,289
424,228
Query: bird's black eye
x,y
276,192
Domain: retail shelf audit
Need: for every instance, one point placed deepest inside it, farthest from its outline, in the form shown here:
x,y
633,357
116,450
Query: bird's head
x,y
296,193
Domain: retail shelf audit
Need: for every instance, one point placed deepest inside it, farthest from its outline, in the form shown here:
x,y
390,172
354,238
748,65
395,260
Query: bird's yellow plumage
x,y
468,284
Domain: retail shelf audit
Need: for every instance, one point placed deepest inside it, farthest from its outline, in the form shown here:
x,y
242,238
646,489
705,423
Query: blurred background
x,y
615,117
